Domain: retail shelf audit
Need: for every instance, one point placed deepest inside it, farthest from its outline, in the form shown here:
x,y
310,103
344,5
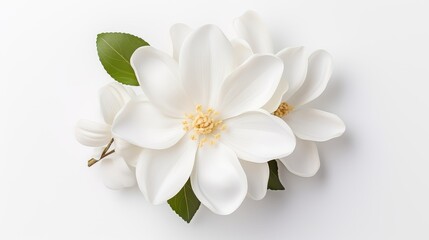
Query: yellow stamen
x,y
203,123
283,110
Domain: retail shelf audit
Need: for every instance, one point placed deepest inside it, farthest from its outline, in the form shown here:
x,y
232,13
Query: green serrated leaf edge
x,y
128,77
187,195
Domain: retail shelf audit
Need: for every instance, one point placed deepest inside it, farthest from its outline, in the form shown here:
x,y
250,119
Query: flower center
x,y
283,110
204,126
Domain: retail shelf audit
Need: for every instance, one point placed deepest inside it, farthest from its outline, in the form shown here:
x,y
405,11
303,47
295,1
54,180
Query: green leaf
x,y
114,51
185,203
274,181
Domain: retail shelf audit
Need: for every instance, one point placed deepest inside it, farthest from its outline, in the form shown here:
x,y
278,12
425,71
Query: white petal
x,y
92,134
178,33
295,61
113,97
218,180
275,101
158,75
304,161
142,124
258,137
250,27
257,179
116,174
129,152
205,60
250,86
315,125
282,172
162,173
318,74
242,51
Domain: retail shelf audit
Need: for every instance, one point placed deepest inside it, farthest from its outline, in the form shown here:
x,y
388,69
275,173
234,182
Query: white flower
x,y
303,80
115,167
257,173
203,116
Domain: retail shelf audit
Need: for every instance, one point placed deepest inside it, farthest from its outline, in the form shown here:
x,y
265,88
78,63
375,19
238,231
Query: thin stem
x,y
107,154
104,154
106,148
92,161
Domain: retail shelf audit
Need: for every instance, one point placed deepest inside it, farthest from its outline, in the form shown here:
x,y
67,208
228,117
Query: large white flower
x,y
203,116
116,167
257,173
303,80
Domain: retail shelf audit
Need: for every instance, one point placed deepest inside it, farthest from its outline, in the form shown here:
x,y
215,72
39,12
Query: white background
x,y
373,182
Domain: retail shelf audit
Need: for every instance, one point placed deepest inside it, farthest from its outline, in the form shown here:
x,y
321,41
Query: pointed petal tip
x,y
287,50
247,14
250,27
206,58
178,33
176,26
210,27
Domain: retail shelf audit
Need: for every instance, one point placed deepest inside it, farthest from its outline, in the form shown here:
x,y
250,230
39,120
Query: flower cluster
x,y
213,119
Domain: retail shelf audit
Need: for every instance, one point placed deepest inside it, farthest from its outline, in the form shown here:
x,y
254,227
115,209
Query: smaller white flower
x,y
304,79
116,166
